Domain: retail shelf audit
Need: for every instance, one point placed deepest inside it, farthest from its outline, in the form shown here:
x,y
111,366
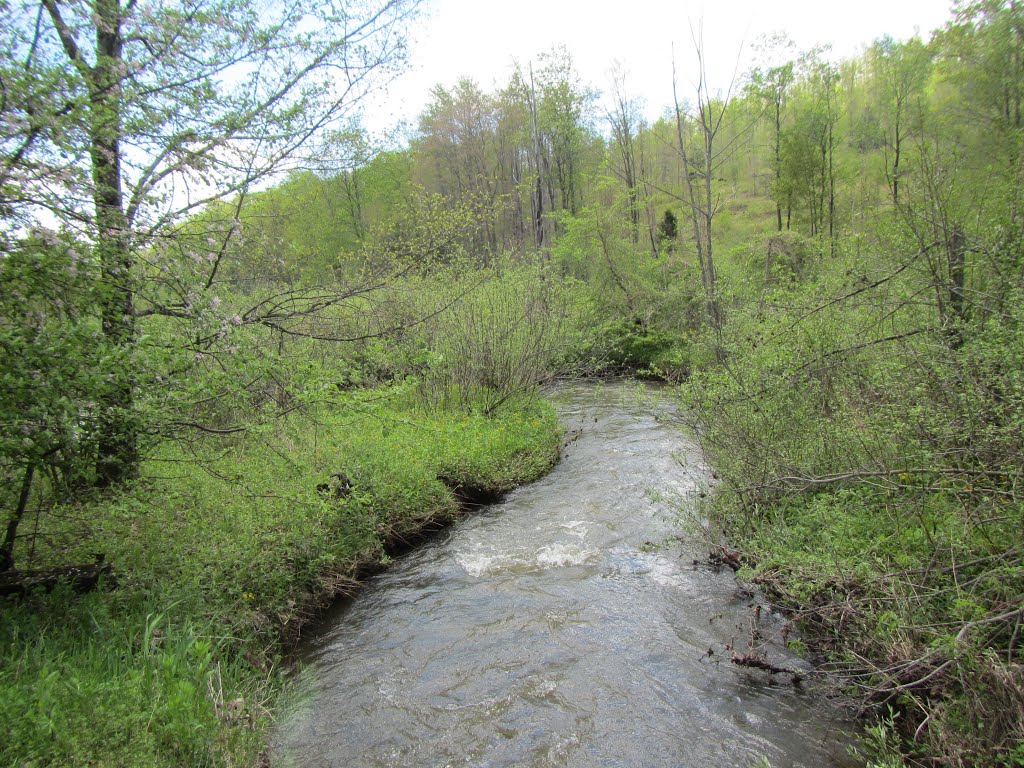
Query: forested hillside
x,y
248,353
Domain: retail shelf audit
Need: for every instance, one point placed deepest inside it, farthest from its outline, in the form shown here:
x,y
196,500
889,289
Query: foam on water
x,y
561,555
480,563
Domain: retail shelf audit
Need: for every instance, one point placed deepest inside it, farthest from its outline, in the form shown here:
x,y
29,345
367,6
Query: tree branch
x,y
67,39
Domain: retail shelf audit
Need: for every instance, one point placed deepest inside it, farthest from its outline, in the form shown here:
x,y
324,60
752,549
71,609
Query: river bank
x,y
223,551
867,499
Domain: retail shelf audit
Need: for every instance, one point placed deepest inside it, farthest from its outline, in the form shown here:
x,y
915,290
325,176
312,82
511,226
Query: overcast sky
x,y
482,38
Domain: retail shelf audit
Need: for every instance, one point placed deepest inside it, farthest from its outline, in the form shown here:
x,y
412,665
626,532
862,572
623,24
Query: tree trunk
x,y
698,196
897,146
778,160
7,549
118,444
831,191
707,214
538,202
354,203
956,254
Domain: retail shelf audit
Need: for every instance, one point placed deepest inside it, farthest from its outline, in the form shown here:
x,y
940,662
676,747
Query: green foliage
x,y
53,358
882,743
619,345
765,262
865,410
862,402
871,467
254,394
118,114
668,231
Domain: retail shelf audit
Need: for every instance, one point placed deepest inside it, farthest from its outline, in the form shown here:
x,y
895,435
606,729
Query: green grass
x,y
222,551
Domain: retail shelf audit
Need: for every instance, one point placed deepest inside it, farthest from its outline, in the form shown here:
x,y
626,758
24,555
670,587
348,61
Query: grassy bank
x,y
913,608
222,551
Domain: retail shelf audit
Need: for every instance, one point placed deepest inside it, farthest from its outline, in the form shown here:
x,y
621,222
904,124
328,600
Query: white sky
x,y
481,38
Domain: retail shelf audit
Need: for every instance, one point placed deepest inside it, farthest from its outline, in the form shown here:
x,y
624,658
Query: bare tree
x,y
626,123
702,156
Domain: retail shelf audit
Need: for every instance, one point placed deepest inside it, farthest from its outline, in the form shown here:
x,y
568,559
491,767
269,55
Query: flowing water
x,y
563,626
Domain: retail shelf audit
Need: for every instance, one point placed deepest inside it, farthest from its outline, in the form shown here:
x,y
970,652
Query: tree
x,y
668,231
980,58
120,117
457,137
827,78
546,131
986,40
903,69
48,372
701,158
626,123
771,87
539,165
563,111
807,158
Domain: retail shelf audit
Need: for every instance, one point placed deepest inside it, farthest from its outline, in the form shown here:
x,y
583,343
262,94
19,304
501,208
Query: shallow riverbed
x,y
564,626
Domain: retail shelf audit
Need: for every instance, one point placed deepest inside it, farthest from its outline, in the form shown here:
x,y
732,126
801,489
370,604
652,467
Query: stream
x,y
564,626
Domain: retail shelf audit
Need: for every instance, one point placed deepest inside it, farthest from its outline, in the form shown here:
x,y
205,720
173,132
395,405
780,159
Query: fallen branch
x,y
803,483
758,661
81,578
